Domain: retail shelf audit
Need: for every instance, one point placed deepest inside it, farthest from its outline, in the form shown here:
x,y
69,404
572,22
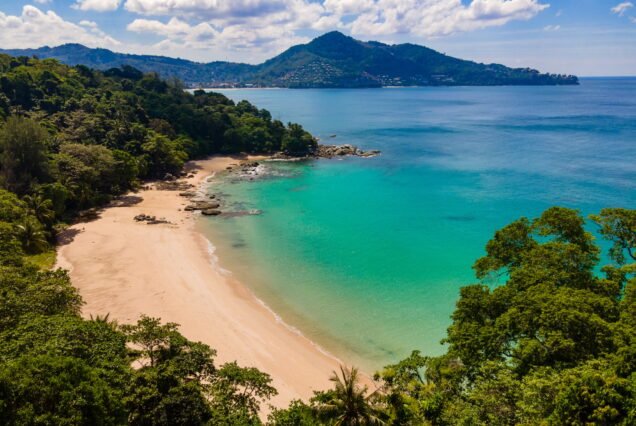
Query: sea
x,y
366,256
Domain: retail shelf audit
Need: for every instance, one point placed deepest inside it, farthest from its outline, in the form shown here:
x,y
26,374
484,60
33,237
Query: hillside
x,y
332,60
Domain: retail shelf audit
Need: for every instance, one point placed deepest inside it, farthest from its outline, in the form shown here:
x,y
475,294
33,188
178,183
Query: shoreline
x,y
125,268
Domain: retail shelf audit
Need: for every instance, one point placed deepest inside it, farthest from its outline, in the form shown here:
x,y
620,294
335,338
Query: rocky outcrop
x,y
150,220
331,151
202,205
174,185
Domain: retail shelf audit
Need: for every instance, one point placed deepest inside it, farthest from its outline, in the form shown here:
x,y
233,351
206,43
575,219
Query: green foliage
x,y
619,226
52,390
348,403
298,142
23,150
297,414
237,394
548,342
84,136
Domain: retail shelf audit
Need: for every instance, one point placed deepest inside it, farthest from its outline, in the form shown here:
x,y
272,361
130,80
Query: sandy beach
x,y
126,268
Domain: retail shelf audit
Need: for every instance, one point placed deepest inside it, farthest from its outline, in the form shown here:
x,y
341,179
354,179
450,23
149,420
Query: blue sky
x,y
583,37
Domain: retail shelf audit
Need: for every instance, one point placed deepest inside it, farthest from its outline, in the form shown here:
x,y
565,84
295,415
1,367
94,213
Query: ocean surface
x,y
366,256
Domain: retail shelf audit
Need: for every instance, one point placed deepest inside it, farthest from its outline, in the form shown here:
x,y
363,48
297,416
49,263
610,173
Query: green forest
x,y
546,335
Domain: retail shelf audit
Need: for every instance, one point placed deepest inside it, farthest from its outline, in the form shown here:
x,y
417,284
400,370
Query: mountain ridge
x,y
328,61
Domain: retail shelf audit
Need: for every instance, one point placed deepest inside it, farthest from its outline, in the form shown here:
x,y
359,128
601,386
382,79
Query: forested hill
x,y
95,134
332,60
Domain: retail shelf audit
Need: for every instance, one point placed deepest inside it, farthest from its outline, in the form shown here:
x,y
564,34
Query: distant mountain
x,y
332,60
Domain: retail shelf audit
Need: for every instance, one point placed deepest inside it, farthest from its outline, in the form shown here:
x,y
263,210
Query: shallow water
x,y
366,256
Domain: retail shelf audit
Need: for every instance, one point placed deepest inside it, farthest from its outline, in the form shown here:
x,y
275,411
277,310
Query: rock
x,y
212,197
145,218
174,186
187,194
330,151
202,205
157,221
169,177
210,212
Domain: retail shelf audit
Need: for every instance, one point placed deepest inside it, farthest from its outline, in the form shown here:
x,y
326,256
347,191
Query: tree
x,y
297,141
41,208
618,226
57,390
348,403
32,235
549,341
237,394
23,159
151,336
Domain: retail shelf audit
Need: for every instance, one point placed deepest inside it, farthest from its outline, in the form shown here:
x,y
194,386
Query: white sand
x,y
125,269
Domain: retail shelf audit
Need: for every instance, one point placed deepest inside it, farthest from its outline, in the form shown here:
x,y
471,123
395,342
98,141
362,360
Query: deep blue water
x,y
366,256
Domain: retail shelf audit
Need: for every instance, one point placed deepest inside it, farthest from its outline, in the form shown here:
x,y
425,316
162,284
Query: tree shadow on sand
x,y
126,201
68,236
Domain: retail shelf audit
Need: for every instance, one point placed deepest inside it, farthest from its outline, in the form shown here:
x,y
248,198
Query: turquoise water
x,y
366,256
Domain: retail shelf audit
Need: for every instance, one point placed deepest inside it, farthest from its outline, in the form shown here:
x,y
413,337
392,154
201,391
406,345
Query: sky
x,y
582,37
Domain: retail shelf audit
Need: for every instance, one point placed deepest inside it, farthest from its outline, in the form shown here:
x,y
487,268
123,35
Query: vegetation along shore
x,y
127,329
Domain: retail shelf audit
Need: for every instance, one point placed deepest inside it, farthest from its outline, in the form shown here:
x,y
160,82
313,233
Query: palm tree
x,y
348,403
31,235
40,207
105,319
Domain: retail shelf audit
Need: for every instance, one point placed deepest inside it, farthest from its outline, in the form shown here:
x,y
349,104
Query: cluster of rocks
x,y
150,220
245,169
174,185
182,174
207,208
331,151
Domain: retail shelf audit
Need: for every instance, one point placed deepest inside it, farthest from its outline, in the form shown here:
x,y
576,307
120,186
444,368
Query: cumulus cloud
x,y
208,9
433,18
97,5
275,24
34,28
621,8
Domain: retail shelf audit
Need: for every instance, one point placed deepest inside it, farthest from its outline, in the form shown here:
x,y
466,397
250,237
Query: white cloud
x,y
43,1
621,8
97,5
434,18
552,28
35,28
208,9
273,25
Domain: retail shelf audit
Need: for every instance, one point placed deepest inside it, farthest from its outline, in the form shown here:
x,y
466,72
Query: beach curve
x,y
125,268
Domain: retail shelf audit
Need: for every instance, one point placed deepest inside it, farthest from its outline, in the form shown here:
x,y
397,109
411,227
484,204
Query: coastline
x,y
125,268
